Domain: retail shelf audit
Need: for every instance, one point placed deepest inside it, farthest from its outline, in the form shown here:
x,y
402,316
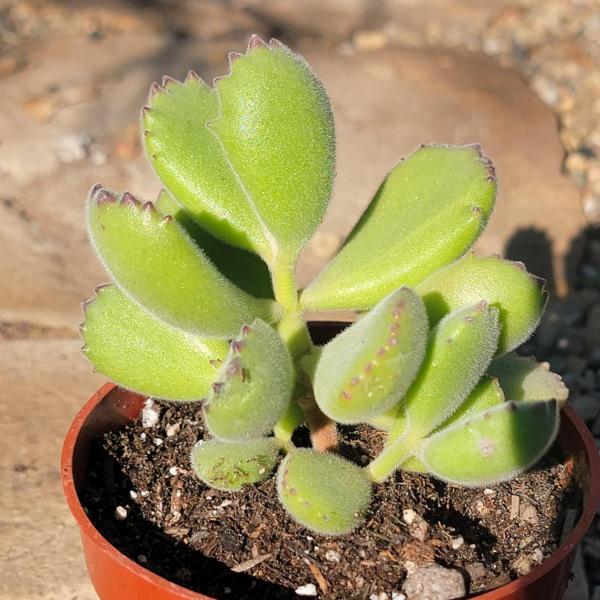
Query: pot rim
x,y
588,511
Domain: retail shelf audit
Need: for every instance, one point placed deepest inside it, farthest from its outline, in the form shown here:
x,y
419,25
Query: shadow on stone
x,y
534,248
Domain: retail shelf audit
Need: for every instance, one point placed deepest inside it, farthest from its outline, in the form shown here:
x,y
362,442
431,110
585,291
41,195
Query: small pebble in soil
x,y
120,513
529,513
457,542
417,526
308,590
150,414
332,556
434,582
172,429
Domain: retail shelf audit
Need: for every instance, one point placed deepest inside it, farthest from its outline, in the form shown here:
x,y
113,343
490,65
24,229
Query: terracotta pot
x,y
116,577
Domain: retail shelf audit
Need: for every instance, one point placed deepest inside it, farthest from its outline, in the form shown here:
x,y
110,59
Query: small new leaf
x,y
154,261
323,491
427,213
523,378
137,351
367,368
459,351
254,386
519,296
493,446
229,467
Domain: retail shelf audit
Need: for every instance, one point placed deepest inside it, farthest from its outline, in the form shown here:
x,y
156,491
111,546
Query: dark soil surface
x,y
142,496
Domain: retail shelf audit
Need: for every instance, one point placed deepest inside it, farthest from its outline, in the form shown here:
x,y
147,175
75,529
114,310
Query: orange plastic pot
x,y
116,577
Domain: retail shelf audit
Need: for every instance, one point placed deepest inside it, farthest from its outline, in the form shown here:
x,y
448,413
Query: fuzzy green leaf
x,y
276,126
493,446
143,354
154,261
487,393
385,421
192,164
254,387
523,378
323,491
229,467
427,213
502,283
244,269
367,368
459,351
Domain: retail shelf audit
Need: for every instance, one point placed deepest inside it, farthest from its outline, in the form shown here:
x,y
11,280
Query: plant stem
x,y
291,327
392,457
291,420
295,334
323,431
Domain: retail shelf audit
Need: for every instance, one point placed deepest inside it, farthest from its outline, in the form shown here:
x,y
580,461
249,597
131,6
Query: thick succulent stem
x,y
323,431
289,422
294,332
391,458
291,326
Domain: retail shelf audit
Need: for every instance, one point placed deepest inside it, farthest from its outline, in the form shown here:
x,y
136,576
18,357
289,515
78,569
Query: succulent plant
x,y
205,307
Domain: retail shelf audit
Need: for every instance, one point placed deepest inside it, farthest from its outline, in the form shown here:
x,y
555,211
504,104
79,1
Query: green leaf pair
x,y
252,158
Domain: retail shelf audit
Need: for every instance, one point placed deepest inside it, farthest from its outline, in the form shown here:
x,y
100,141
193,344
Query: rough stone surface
x,y
334,19
43,384
434,582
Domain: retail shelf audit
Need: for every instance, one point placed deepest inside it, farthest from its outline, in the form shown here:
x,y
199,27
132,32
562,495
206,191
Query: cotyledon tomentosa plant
x,y
205,307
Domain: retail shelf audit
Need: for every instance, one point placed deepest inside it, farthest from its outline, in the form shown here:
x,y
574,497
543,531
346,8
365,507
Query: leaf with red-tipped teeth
x,y
276,126
493,446
190,161
518,295
241,267
427,213
155,262
459,351
254,386
143,354
255,41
